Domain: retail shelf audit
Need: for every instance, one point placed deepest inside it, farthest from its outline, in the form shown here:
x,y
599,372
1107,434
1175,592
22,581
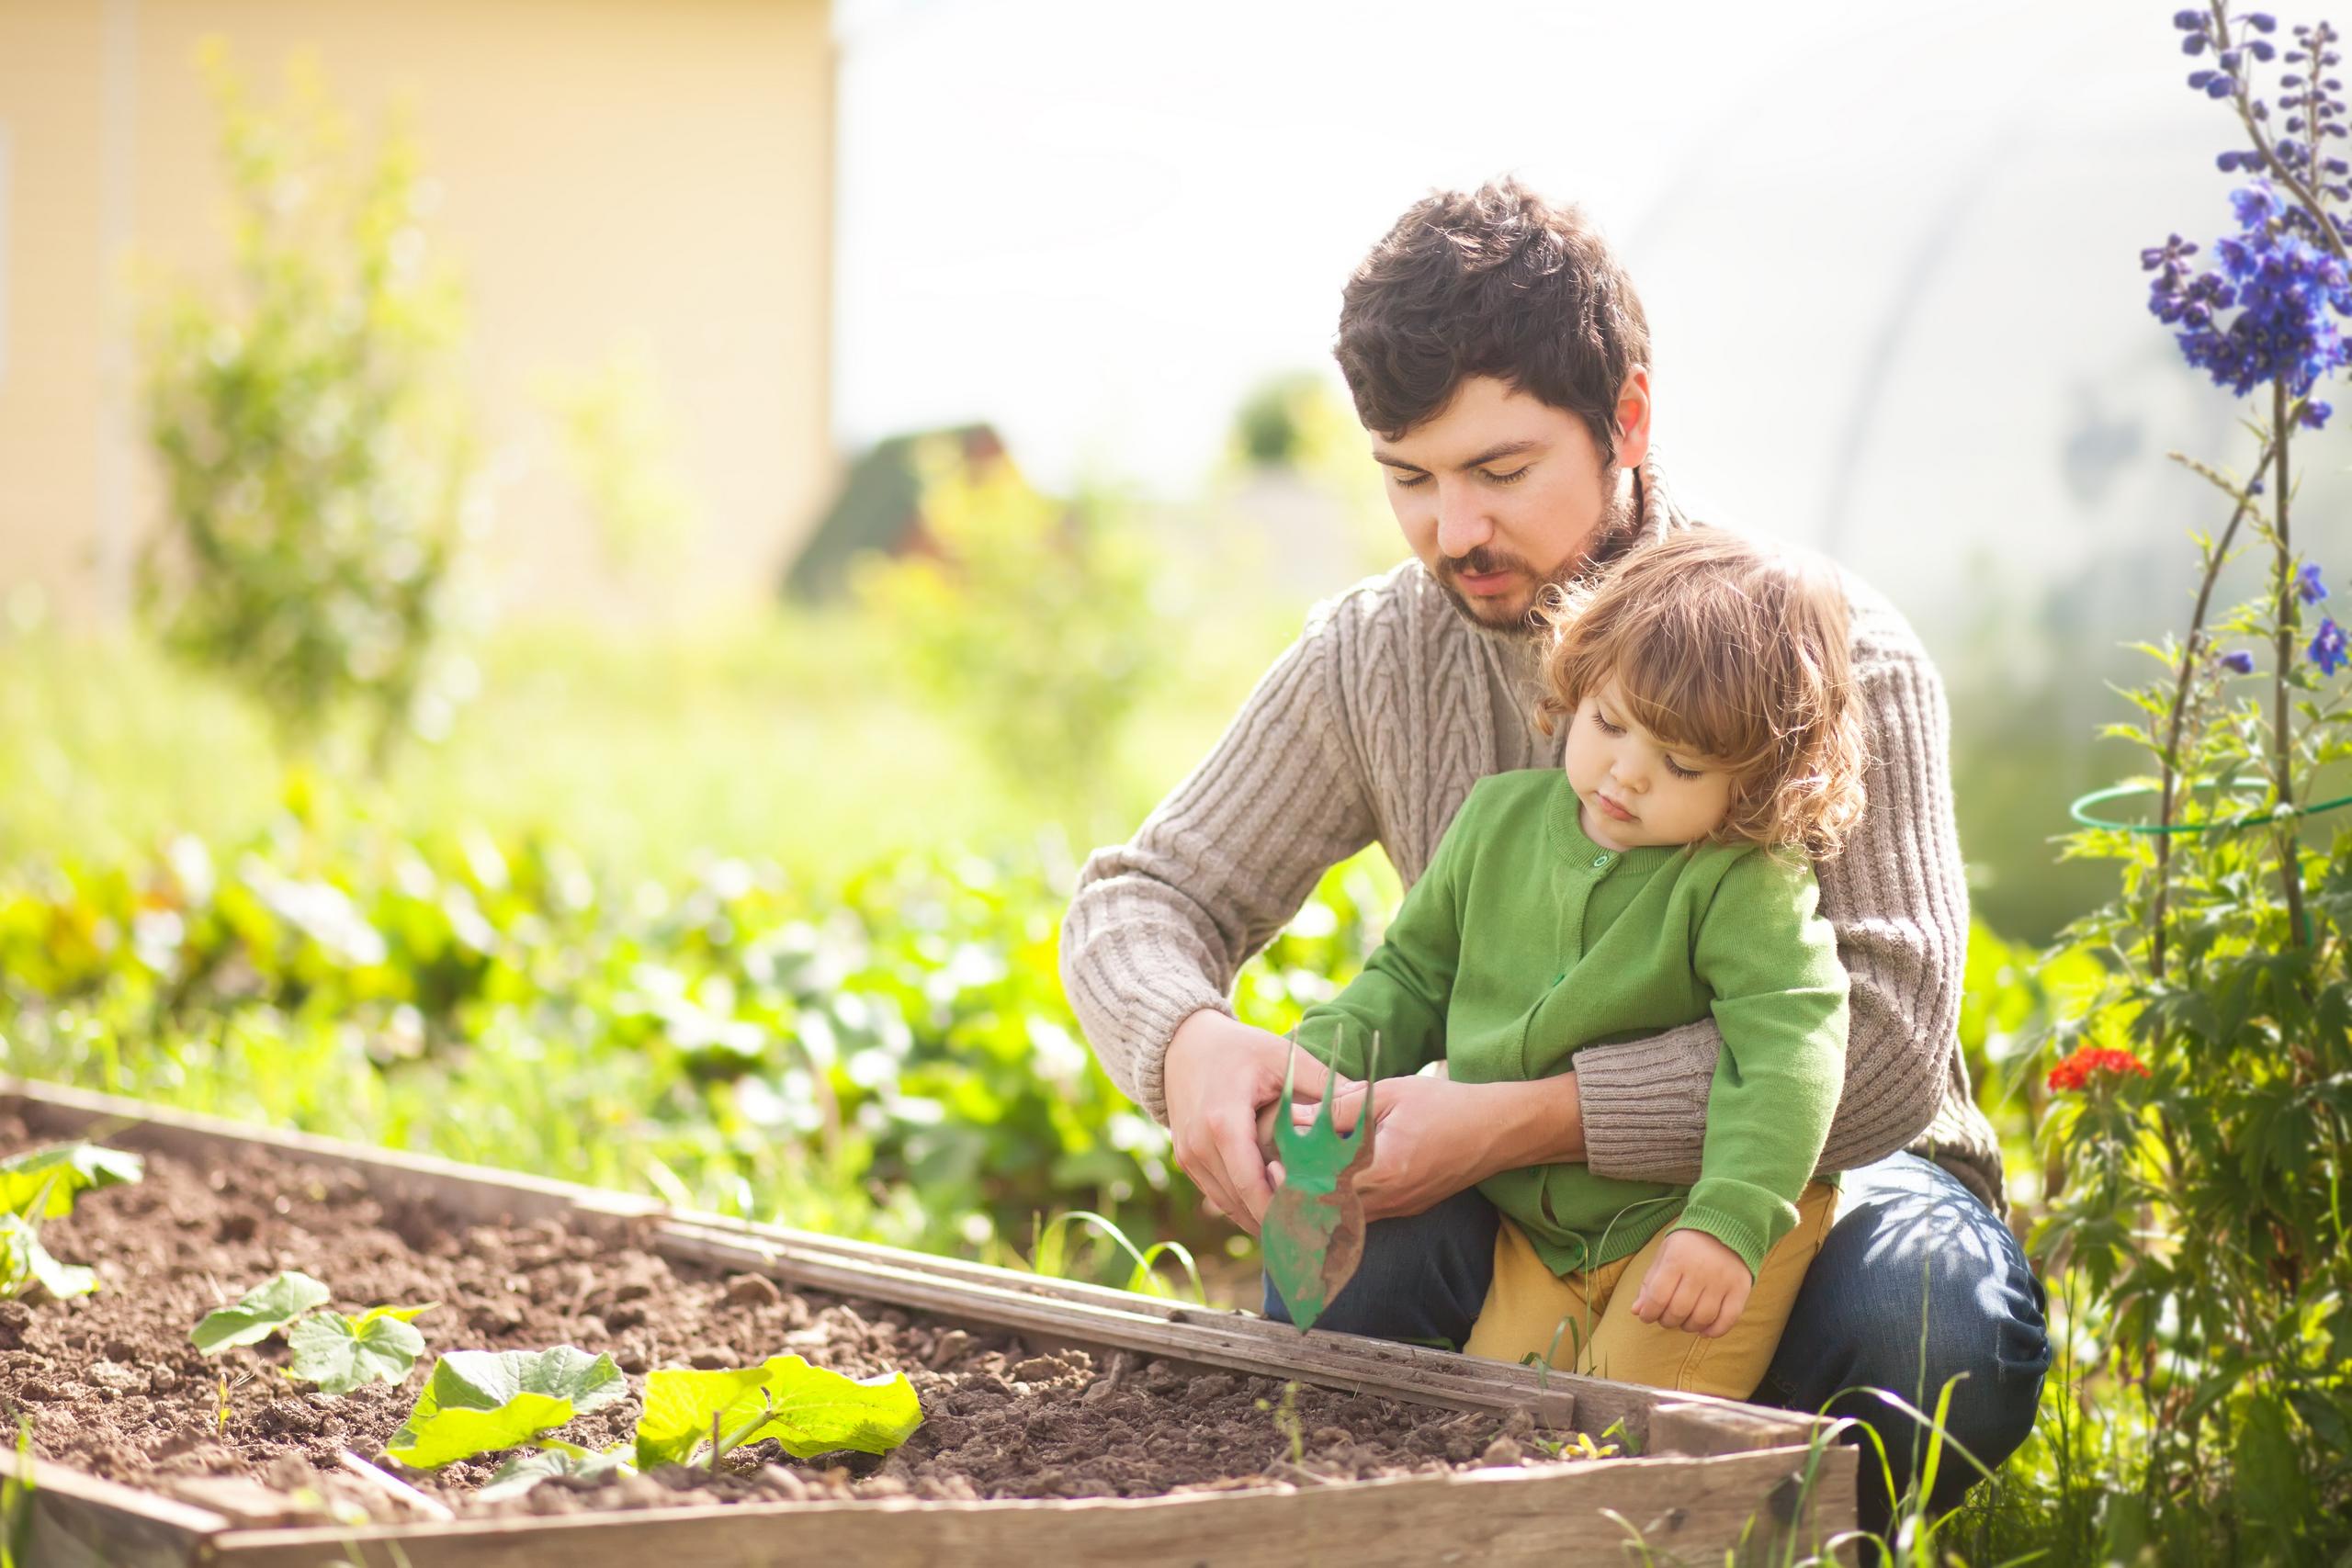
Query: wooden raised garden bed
x,y
1408,1455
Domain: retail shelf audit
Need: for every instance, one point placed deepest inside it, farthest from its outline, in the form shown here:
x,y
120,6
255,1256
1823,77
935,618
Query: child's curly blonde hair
x,y
1737,651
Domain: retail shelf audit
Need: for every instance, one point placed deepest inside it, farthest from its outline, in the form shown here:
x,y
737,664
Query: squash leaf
x,y
481,1400
260,1311
65,1169
340,1353
23,1260
808,1410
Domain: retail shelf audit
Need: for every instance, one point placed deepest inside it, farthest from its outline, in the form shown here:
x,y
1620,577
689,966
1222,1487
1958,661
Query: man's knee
x,y
1423,1277
1919,1288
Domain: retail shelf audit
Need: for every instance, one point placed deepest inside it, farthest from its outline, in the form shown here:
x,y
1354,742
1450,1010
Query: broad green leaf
x,y
430,1440
65,1169
28,1262
554,1457
260,1311
807,1409
341,1353
481,1400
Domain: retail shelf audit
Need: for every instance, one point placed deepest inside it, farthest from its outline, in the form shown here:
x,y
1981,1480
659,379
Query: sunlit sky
x,y
1889,255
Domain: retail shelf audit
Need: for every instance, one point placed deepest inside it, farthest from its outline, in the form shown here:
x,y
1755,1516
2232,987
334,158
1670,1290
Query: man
x,y
1499,358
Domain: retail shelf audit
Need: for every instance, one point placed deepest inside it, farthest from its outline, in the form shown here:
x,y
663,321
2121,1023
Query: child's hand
x,y
1697,1284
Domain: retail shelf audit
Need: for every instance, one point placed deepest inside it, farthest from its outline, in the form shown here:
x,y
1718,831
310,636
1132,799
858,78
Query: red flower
x,y
2076,1071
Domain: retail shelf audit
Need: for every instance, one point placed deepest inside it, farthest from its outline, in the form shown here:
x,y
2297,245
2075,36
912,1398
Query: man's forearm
x,y
1536,1123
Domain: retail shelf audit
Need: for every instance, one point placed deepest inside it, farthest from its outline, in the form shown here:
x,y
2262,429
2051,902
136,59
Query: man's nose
x,y
1461,522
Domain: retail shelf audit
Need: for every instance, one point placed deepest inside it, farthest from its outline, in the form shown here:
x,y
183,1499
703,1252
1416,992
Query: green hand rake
x,y
1313,1232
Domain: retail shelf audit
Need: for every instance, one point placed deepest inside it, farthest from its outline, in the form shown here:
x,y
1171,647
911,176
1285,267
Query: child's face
x,y
1636,792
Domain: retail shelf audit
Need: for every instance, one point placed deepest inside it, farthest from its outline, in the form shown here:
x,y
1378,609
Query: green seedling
x,y
340,1353
1286,1422
26,1265
335,1350
1313,1233
478,1401
42,1184
808,1410
259,1313
223,1386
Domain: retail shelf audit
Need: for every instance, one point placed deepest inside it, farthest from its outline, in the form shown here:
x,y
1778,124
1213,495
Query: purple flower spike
x,y
2238,661
2315,413
2330,649
2189,21
2309,586
2261,21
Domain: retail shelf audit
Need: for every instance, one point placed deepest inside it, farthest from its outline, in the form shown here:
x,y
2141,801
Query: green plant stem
x,y
2182,687
2291,870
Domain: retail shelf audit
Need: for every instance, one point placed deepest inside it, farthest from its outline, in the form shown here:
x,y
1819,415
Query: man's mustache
x,y
1482,562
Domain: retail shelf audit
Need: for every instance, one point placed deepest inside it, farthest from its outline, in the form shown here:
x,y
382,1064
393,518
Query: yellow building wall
x,y
649,178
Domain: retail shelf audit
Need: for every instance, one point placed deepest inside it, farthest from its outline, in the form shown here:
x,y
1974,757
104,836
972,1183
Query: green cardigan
x,y
1634,943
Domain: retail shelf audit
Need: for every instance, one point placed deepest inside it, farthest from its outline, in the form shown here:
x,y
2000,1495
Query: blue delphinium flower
x,y
2288,294
2238,661
2308,584
2330,648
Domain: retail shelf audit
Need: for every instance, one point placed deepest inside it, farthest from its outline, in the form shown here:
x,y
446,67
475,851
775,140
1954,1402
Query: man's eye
x,y
1407,482
1511,478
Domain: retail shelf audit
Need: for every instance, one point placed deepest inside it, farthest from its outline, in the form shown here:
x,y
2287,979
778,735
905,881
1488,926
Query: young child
x,y
1660,878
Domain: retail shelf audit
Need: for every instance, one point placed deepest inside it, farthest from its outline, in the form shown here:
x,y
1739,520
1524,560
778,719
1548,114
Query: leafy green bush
x,y
890,1056
1019,622
317,467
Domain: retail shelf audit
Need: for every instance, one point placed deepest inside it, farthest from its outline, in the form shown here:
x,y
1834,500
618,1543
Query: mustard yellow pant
x,y
1578,1322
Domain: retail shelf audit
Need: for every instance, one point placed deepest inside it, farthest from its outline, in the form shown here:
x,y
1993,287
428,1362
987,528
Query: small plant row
x,y
479,1401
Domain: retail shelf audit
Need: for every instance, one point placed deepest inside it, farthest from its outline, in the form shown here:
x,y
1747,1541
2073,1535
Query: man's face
x,y
1499,494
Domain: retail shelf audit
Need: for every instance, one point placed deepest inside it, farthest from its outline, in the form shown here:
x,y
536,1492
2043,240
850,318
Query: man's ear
x,y
1631,418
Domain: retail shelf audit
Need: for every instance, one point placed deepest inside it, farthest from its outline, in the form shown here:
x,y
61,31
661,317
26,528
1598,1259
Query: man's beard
x,y
1619,522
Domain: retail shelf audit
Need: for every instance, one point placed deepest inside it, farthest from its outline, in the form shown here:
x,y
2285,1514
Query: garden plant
x,y
2201,1094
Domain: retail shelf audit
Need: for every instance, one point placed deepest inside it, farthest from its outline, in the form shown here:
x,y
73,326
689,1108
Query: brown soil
x,y
112,1385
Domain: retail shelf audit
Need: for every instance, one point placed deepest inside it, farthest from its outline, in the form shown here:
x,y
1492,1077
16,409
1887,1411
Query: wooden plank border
x,y
1686,1510
79,1520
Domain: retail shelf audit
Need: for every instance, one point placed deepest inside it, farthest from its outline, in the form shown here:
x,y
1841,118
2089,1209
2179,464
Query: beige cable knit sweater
x,y
1374,725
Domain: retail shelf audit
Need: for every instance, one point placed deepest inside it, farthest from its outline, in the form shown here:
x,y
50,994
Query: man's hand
x,y
1438,1137
1219,1077
1698,1285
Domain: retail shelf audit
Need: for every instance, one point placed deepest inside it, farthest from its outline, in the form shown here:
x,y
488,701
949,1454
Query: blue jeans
x,y
1917,1281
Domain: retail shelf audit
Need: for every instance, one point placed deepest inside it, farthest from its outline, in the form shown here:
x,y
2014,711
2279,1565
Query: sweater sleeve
x,y
1780,1003
1899,900
1402,995
1158,927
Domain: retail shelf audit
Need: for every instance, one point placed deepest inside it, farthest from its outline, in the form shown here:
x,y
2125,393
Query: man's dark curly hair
x,y
1495,282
